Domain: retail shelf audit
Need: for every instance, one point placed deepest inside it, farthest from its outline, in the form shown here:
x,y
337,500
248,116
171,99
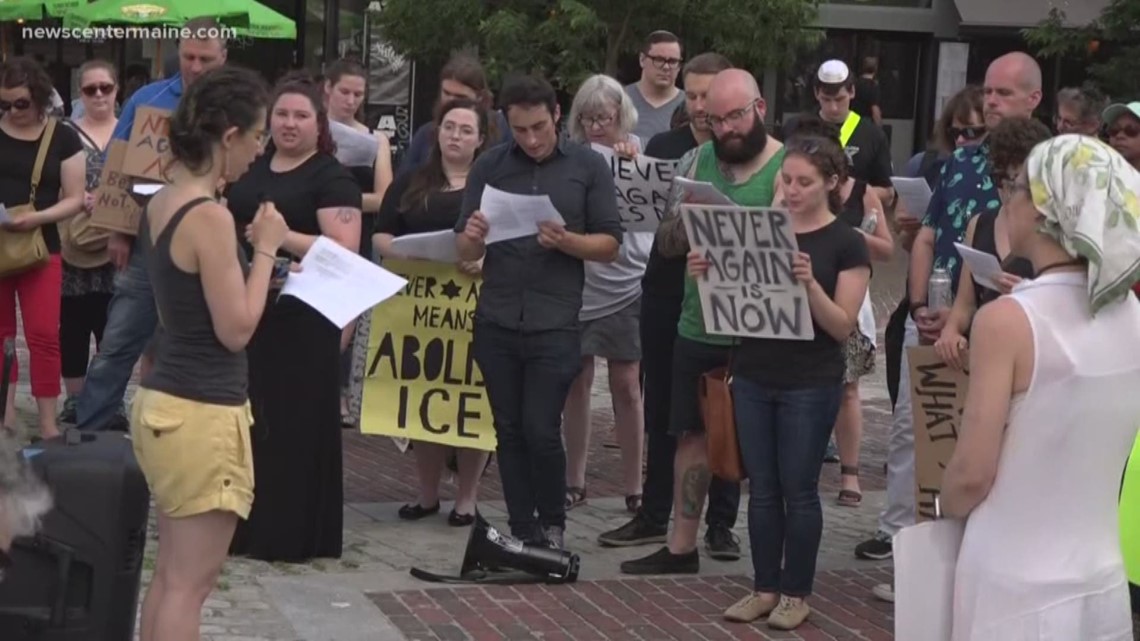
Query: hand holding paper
x,y
701,193
509,216
986,269
339,283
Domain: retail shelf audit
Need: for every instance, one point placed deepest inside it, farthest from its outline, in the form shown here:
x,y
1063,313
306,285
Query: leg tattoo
x,y
694,486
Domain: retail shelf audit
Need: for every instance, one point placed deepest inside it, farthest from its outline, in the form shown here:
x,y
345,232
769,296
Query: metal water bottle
x,y
939,296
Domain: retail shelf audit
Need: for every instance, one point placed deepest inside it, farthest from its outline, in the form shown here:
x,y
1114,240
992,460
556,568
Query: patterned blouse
x,y
100,280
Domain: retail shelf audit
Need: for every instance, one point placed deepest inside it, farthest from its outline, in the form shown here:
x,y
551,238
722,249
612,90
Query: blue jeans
x,y
783,435
528,377
131,321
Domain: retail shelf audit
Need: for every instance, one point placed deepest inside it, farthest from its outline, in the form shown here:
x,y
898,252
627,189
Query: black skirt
x,y
295,395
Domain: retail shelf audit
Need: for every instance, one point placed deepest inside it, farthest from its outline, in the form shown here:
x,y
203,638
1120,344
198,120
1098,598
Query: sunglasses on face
x,y
18,105
1129,131
104,88
969,133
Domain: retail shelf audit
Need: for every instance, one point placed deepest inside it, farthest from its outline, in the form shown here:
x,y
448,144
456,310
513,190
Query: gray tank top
x,y
190,361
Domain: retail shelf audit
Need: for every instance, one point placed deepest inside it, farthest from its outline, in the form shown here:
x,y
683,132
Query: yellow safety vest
x,y
849,126
1130,516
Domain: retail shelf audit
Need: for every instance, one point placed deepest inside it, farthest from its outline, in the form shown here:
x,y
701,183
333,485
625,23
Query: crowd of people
x,y
240,386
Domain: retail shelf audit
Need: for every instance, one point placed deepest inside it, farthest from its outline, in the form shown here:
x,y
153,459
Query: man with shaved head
x,y
743,162
966,188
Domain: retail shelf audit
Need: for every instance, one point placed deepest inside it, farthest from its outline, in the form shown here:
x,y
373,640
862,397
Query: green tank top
x,y
758,191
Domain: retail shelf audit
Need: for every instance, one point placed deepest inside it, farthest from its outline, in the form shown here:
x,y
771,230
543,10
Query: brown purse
x,y
715,393
21,251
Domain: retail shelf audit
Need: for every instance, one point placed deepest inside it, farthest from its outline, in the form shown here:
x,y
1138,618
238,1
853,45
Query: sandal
x,y
633,503
849,498
575,496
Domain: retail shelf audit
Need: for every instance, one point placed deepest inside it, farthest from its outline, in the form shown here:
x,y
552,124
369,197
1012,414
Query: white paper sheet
x,y
511,216
340,284
914,193
147,189
985,267
438,246
701,193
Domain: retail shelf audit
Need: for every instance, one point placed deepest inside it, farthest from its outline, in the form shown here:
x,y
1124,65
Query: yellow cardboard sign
x,y
421,381
1130,516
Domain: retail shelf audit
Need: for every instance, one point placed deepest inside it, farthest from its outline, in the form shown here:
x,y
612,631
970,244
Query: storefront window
x,y
314,34
350,16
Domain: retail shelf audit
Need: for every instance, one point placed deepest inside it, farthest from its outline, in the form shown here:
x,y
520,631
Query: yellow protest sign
x,y
421,380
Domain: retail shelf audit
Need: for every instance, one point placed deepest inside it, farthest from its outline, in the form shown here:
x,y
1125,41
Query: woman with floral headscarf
x,y
1052,410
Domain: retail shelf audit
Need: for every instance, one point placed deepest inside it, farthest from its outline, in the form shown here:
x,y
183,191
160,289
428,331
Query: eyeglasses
x,y
662,62
18,105
969,133
105,88
1129,131
732,117
262,137
599,121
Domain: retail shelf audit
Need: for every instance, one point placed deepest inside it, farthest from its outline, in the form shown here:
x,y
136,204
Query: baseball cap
x,y
1112,112
833,72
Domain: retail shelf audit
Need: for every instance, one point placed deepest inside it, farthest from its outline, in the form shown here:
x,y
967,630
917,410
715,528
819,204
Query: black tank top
x,y
984,241
853,211
190,362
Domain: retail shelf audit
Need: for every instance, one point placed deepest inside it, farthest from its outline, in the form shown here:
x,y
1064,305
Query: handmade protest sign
x,y
148,148
115,207
938,397
421,381
643,185
750,290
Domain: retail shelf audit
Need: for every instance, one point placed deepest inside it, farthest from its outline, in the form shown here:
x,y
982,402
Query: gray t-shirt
x,y
652,120
611,287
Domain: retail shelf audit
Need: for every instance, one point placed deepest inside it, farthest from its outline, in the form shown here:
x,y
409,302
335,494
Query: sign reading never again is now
x,y
750,289
421,381
938,397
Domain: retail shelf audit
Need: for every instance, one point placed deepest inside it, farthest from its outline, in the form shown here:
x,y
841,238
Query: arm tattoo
x,y
347,215
671,239
694,487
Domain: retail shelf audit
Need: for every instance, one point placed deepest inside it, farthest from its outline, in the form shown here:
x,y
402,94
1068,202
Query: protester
x,y
42,167
863,211
743,162
89,283
1009,144
656,96
866,144
965,189
1123,122
1079,111
602,114
131,316
294,363
786,393
428,200
662,292
868,97
190,419
1051,409
527,338
462,77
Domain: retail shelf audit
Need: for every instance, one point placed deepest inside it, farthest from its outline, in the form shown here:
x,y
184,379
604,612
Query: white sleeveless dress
x,y
1041,559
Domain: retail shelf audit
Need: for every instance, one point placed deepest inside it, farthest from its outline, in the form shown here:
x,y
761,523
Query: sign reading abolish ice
x,y
421,381
750,290
642,188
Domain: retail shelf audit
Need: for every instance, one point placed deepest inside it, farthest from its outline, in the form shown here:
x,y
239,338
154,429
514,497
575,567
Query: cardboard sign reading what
x,y
938,397
115,207
148,149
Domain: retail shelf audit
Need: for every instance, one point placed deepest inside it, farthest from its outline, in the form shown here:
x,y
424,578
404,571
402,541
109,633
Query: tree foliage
x,y
1111,45
567,40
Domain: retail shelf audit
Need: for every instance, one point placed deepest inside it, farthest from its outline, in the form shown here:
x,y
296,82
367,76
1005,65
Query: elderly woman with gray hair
x,y
602,114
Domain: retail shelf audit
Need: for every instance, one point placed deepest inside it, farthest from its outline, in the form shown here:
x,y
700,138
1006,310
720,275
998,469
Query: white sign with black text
x,y
643,185
750,289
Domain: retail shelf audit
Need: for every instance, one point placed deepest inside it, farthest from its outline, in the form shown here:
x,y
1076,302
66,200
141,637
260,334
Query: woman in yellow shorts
x,y
190,420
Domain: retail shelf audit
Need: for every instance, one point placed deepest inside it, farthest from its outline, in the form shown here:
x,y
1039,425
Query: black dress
x,y
985,241
293,383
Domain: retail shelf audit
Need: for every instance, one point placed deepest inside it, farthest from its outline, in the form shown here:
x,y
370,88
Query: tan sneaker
x,y
789,614
752,607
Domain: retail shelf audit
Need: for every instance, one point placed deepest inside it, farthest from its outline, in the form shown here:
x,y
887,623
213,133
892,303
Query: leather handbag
x,y
21,251
715,393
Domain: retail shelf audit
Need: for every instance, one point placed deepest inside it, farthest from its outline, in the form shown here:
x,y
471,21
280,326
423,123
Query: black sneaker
x,y
68,414
664,562
832,453
722,544
554,536
639,531
877,548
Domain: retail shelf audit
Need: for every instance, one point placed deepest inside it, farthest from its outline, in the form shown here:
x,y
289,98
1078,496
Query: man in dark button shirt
x,y
527,339
662,291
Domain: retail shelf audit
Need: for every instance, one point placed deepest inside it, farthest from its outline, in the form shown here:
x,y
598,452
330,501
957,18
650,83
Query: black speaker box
x,y
78,579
